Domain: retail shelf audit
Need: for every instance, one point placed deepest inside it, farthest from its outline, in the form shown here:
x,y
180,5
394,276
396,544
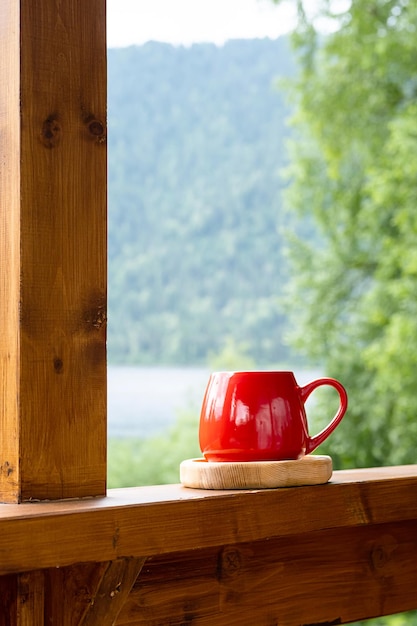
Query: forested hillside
x,y
196,151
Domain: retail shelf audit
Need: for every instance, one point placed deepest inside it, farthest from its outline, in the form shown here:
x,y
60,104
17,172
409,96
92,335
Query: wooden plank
x,y
299,556
113,592
329,577
84,594
52,249
70,591
148,521
30,598
332,576
10,155
22,599
8,600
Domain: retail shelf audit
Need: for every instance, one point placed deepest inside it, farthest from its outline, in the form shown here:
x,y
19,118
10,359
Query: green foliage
x,y
354,170
402,619
195,155
154,461
231,357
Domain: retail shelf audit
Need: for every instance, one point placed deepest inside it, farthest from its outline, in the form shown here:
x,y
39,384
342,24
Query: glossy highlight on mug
x,y
260,416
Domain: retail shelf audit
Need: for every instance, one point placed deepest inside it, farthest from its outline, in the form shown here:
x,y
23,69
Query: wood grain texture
x,y
329,577
30,598
83,594
10,155
113,592
70,591
149,521
325,554
309,470
53,244
8,600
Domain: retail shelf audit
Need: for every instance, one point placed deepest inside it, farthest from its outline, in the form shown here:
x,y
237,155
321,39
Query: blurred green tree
x,y
354,171
156,460
195,156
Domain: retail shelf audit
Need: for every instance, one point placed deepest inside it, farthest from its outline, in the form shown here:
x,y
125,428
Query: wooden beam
x,y
329,577
149,521
83,594
30,598
69,592
8,600
52,249
327,554
87,594
9,249
113,592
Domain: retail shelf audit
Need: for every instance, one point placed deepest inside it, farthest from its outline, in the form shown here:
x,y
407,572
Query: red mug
x,y
260,416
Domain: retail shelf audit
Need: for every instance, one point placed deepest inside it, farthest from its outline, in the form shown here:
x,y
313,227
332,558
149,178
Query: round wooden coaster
x,y
309,470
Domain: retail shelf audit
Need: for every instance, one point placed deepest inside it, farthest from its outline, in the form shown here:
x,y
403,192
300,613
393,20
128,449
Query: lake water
x,y
144,401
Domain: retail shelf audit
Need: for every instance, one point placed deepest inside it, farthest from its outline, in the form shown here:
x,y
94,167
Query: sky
x,y
184,22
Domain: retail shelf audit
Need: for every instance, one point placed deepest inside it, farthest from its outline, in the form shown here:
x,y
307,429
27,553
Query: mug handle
x,y
314,442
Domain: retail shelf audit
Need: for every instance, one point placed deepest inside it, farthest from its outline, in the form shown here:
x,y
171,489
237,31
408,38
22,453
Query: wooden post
x,y
52,249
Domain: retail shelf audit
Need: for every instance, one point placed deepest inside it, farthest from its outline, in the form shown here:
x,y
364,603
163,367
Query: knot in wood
x,y
97,129
58,365
381,553
230,562
100,318
379,556
6,469
51,132
96,317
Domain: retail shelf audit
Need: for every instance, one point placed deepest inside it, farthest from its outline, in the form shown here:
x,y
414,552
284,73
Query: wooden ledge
x,y
150,521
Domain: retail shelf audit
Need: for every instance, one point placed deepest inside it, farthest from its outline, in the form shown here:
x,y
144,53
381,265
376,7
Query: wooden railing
x,y
71,555
164,555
